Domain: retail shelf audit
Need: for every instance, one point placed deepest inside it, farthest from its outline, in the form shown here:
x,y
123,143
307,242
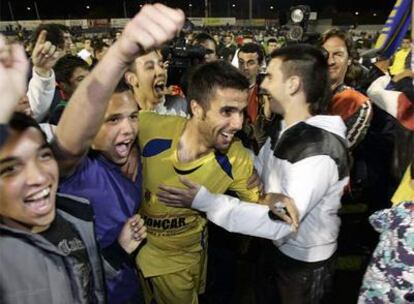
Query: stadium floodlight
x,y
299,14
295,33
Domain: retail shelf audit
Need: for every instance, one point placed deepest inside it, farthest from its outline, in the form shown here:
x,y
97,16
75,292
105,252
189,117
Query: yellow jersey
x,y
398,65
177,236
405,192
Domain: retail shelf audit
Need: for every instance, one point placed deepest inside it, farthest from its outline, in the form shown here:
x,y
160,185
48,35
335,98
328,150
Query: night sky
x,y
56,9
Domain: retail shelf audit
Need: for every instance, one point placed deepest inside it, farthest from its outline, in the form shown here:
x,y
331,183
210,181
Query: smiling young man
x,y
203,149
309,162
41,230
147,77
59,249
48,250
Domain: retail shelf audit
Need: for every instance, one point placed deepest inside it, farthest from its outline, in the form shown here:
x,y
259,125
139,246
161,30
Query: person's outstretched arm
x,y
13,82
150,28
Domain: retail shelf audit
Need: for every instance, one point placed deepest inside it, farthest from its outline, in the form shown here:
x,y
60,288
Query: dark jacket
x,y
35,271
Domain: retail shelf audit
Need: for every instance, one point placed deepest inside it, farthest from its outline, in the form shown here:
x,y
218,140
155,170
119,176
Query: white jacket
x,y
309,163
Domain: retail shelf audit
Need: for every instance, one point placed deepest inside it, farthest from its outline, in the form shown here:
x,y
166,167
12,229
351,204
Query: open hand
x,y
179,197
132,234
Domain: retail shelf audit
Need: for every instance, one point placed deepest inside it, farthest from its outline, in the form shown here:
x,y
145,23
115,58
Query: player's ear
x,y
196,109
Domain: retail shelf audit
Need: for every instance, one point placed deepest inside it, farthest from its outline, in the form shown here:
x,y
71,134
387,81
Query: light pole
x,y
250,12
206,8
190,10
36,10
125,9
11,11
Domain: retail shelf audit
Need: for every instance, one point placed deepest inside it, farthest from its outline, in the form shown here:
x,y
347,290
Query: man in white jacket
x,y
309,162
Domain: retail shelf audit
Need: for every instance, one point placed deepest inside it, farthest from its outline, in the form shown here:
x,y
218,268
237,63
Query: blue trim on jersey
x,y
156,146
224,163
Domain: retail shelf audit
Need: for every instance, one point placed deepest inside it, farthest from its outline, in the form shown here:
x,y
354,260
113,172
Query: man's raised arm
x,y
150,28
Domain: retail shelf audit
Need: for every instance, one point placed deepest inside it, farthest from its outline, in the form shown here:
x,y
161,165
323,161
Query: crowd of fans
x,y
157,165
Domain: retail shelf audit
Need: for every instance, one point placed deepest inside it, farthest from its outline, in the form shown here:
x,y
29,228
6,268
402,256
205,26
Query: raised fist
x,y
153,26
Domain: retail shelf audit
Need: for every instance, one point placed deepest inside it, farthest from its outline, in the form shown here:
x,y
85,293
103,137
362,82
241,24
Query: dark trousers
x,y
302,282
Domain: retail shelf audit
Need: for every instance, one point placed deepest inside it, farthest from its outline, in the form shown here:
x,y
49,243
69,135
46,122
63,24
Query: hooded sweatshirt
x,y
309,162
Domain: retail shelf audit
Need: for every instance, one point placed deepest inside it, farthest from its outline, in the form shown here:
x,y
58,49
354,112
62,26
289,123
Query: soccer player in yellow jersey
x,y
201,149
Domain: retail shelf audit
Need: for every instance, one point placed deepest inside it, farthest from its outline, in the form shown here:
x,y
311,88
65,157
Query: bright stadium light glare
x,y
271,8
297,15
356,13
28,8
233,5
88,7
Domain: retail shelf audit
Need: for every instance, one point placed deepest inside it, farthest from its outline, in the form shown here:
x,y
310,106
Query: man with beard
x,y
202,149
147,77
309,162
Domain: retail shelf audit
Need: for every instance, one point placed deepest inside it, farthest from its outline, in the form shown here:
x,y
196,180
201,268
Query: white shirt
x,y
313,183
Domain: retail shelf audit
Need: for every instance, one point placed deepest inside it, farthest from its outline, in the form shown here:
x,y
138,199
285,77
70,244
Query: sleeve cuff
x,y
203,201
47,82
115,255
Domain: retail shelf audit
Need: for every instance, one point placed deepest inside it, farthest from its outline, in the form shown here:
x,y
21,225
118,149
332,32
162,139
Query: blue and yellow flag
x,y
395,28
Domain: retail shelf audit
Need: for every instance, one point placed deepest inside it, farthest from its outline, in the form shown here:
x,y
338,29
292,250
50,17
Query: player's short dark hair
x,y
206,78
